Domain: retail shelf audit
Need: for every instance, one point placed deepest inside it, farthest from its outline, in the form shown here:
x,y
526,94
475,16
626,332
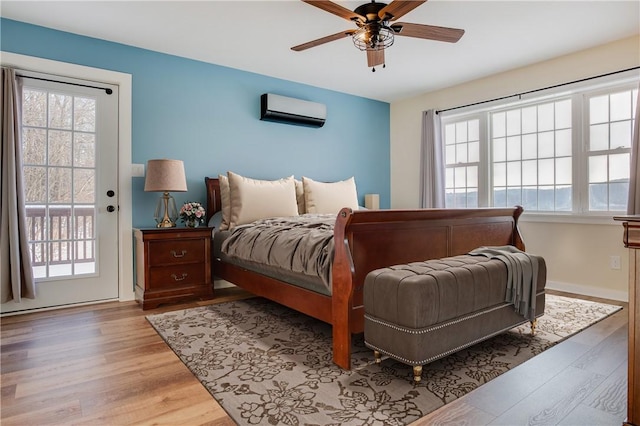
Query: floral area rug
x,y
267,364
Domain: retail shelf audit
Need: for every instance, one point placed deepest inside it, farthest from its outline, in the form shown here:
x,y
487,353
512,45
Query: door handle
x,y
111,209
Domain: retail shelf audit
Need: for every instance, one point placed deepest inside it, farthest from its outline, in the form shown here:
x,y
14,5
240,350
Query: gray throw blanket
x,y
301,244
522,277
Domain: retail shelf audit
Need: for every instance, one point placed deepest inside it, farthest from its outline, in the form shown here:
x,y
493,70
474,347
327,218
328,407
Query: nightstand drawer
x,y
176,251
176,275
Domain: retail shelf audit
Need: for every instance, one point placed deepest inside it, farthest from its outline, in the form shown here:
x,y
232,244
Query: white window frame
x,y
579,93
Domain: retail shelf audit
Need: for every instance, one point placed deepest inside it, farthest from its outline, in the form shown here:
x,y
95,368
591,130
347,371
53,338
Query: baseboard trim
x,y
622,296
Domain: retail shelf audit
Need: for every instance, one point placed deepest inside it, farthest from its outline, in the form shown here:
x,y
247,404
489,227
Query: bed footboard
x,y
370,239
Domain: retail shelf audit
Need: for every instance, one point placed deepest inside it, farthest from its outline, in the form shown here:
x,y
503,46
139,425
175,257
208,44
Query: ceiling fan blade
x,y
430,32
398,8
323,40
336,9
375,57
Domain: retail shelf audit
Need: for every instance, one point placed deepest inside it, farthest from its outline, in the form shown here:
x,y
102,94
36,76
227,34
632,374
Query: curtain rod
x,y
106,89
537,90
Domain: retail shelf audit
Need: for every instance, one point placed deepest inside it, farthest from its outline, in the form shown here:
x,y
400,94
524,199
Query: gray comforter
x,y
301,244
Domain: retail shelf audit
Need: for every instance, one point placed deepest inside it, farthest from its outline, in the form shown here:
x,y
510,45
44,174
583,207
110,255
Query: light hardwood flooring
x,y
104,364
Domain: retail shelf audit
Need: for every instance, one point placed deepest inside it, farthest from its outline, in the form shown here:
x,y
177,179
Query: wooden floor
x,y
104,364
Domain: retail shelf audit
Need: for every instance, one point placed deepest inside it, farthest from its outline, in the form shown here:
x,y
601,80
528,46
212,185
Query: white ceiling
x,y
257,36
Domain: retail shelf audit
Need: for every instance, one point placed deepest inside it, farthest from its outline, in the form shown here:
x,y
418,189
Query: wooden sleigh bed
x,y
370,239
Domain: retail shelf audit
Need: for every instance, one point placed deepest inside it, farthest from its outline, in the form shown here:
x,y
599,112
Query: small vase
x,y
192,223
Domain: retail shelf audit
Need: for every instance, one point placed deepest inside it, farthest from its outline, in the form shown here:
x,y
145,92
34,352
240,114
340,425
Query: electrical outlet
x,y
614,262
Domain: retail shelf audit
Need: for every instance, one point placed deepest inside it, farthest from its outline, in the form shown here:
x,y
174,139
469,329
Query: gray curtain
x,y
633,205
16,276
432,171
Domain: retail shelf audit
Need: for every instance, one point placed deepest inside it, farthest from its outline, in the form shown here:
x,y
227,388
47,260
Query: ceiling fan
x,y
376,28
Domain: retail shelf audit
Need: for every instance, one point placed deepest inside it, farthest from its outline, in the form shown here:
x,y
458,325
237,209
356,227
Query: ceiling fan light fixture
x,y
369,38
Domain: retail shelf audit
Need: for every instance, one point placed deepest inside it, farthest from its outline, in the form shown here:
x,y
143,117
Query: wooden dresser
x,y
172,264
631,239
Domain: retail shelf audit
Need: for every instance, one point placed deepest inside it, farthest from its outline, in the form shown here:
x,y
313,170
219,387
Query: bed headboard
x,y
213,196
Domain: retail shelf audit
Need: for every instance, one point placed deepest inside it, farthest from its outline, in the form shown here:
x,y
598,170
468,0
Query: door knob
x,y
111,209
110,193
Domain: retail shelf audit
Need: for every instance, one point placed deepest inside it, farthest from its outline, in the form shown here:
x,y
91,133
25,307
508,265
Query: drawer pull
x,y
175,277
173,252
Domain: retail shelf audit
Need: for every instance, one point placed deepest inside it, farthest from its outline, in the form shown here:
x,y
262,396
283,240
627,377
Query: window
x,y
538,155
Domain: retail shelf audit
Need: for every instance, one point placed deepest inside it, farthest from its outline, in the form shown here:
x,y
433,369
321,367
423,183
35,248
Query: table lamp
x,y
165,176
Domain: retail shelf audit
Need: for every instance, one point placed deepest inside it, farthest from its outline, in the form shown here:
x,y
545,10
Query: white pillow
x,y
253,199
225,201
331,197
300,197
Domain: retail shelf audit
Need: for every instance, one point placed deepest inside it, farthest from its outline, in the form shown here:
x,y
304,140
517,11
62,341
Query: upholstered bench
x,y
422,311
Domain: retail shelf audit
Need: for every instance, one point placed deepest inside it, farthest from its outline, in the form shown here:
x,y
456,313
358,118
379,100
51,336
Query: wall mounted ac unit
x,y
293,111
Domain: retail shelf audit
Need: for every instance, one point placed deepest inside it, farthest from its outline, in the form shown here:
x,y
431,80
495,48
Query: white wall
x,y
577,254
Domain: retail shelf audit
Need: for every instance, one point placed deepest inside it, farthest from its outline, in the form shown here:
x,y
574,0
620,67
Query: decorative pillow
x,y
331,197
253,199
225,201
300,197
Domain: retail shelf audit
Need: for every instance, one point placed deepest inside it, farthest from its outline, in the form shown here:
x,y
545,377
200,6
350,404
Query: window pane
x,y
513,148
448,173
545,117
599,137
498,126
563,198
513,197
472,176
563,143
620,104
36,191
598,197
546,198
618,193
619,165
529,120
460,177
461,153
621,135
450,134
529,146
499,174
500,197
545,172
563,171
60,107
598,168
563,114
530,172
84,185
530,198
84,150
84,114
59,148
545,145
450,154
599,109
474,130
59,185
513,122
474,152
461,131
34,111
499,149
33,146
514,174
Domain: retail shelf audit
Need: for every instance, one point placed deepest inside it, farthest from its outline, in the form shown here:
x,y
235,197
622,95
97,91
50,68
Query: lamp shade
x,y
165,175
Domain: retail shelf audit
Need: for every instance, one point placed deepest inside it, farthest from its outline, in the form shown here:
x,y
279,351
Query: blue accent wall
x,y
208,116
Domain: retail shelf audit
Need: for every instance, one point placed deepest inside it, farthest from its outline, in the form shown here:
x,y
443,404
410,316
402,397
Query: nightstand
x,y
172,264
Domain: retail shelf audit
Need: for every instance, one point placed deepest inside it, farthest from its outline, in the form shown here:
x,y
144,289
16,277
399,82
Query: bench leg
x,y
378,356
534,323
417,373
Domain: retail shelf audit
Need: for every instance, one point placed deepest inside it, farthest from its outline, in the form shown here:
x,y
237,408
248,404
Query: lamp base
x,y
166,213
166,223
